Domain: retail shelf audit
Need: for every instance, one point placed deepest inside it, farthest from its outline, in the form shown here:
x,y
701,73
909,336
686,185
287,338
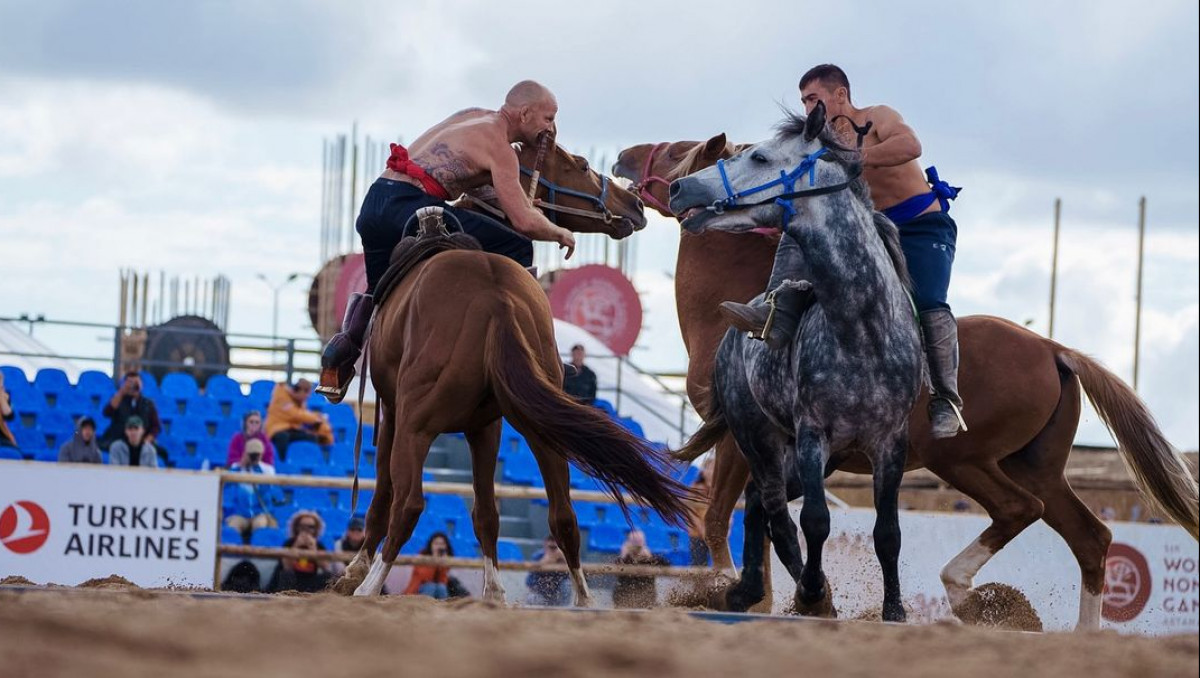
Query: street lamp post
x,y
275,290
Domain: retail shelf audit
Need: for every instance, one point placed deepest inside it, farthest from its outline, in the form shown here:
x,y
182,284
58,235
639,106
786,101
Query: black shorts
x,y
389,205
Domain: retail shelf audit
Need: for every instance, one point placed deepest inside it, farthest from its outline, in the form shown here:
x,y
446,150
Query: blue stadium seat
x,y
305,454
314,498
11,453
283,513
688,475
329,471
29,409
30,439
605,538
150,386
56,422
606,406
260,391
364,499
447,506
51,381
75,404
658,539
231,536
508,551
268,537
679,557
521,469
95,381
632,426
204,408
188,463
336,520
222,388
46,455
191,434
586,514
227,428
464,547
14,377
342,457
179,386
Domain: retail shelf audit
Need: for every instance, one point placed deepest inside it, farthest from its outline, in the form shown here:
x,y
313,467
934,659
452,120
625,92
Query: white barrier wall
x,y
67,523
1153,586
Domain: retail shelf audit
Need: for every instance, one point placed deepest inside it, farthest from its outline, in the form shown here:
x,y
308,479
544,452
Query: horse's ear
x,y
715,146
815,122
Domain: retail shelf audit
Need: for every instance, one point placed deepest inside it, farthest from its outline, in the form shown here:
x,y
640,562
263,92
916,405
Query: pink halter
x,y
647,178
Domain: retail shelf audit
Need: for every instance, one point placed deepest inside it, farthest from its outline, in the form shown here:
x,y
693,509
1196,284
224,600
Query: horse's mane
x,y
851,160
413,250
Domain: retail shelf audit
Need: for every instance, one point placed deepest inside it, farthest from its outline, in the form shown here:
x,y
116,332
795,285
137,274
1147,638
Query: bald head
x,y
529,110
528,93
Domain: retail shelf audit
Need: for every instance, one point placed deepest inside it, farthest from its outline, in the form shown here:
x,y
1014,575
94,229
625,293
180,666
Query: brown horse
x,y
464,338
1023,397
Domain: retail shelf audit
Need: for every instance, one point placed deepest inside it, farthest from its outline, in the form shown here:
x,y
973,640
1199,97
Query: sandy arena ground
x,y
128,633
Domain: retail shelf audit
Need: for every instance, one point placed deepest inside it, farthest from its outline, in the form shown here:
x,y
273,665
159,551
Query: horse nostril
x,y
674,189
640,205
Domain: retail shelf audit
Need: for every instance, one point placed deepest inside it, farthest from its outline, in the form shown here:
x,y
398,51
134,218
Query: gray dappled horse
x,y
852,373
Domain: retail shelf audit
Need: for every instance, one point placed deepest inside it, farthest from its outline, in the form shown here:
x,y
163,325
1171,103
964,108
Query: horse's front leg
x,y
813,596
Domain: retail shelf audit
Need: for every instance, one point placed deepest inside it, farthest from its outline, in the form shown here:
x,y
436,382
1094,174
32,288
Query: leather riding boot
x,y
343,350
774,320
941,348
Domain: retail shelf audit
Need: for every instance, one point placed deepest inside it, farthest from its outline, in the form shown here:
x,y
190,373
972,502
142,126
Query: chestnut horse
x,y
466,337
1022,390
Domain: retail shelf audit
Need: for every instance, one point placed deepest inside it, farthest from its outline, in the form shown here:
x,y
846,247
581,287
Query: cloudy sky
x,y
186,137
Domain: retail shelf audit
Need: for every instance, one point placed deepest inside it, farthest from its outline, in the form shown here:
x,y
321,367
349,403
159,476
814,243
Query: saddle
x,y
432,237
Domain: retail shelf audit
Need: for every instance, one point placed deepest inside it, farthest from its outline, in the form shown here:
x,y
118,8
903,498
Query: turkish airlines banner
x,y
67,523
1152,583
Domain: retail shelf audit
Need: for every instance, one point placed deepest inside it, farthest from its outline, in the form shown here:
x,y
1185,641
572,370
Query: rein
x,y
601,211
647,178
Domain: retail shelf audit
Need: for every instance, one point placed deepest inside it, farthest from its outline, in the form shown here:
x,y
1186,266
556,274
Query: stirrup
x,y
962,423
332,385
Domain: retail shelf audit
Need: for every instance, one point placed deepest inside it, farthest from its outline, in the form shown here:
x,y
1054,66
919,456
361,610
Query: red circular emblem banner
x,y
351,278
602,301
1126,583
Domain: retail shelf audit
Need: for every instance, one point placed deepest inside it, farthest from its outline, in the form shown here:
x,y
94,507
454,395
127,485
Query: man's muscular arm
x,y
898,143
506,172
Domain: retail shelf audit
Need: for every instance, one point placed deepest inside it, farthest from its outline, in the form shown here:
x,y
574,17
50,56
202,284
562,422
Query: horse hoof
x,y
804,604
344,586
894,613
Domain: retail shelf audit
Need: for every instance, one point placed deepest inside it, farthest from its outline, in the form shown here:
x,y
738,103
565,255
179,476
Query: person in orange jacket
x,y
289,419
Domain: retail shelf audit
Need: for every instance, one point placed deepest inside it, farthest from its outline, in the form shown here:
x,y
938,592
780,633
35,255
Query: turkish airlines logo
x,y
1126,583
24,527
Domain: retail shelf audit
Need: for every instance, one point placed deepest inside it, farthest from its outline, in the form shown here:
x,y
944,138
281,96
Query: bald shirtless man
x,y
468,150
917,202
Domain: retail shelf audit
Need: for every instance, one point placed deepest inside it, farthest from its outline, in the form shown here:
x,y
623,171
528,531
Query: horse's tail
x,y
709,433
1158,470
551,420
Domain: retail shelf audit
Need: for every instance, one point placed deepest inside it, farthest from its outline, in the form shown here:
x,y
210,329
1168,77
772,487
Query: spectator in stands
x,y
7,439
549,588
580,383
128,402
1108,514
636,590
289,419
82,447
962,506
432,581
252,429
248,506
697,547
242,578
350,542
134,449
307,575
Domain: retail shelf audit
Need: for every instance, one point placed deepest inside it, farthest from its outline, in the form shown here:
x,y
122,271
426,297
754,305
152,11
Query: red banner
x,y
602,301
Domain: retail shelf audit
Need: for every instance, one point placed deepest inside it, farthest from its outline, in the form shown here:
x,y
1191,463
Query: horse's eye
x,y
758,157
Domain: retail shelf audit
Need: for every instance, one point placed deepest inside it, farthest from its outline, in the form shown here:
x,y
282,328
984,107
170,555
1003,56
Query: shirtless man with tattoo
x,y
918,203
468,150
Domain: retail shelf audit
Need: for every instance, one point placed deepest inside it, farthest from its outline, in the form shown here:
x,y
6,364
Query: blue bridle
x,y
553,190
787,180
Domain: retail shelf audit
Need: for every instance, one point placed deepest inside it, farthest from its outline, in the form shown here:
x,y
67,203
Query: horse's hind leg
x,y
377,513
563,523
485,445
887,474
730,474
1039,468
1011,508
409,450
